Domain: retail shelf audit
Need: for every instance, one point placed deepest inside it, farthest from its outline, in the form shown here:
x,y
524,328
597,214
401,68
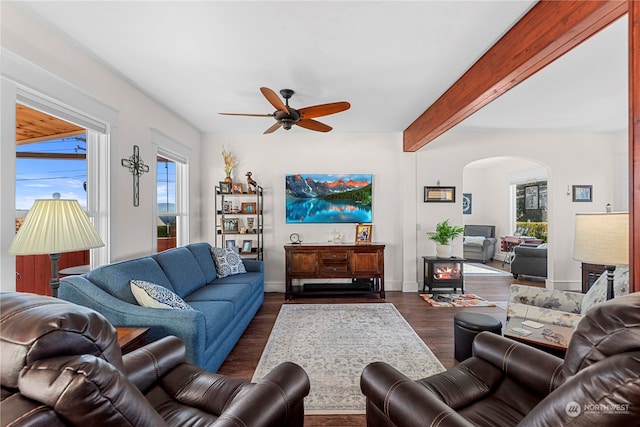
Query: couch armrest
x,y
403,401
515,359
189,325
144,366
254,265
277,399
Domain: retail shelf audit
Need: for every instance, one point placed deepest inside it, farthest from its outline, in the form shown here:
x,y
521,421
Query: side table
x,y
131,338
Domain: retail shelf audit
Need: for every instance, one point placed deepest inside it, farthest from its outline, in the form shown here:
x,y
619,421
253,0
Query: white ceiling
x,y
389,59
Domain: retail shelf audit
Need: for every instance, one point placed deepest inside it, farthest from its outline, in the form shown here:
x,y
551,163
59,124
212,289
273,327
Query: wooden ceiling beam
x,y
549,30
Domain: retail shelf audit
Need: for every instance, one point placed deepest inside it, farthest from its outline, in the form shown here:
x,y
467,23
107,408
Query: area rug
x,y
474,269
456,300
334,342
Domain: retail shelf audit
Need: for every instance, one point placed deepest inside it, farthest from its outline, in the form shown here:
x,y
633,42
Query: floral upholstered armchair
x,y
562,308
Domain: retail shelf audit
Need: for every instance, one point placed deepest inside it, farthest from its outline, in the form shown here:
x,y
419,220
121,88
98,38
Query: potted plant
x,y
443,236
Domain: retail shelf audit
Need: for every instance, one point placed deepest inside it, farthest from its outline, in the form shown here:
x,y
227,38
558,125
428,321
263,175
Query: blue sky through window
x,y
39,178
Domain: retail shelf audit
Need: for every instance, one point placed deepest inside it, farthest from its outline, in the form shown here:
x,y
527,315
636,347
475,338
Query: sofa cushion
x,y
228,262
474,240
202,254
114,278
182,269
598,292
154,296
238,294
539,314
219,315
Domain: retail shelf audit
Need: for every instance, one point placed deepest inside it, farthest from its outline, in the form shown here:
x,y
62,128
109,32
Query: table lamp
x,y
602,238
53,226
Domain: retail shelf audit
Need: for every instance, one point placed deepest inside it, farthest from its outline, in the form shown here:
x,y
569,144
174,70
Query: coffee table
x,y
550,338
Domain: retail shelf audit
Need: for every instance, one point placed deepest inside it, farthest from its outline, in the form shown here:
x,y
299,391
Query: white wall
x,y
271,157
592,159
131,227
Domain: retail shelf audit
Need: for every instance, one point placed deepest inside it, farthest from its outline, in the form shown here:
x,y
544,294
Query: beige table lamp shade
x,y
602,238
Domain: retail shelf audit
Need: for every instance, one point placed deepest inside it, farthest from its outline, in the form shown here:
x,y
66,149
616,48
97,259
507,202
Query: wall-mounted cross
x,y
136,167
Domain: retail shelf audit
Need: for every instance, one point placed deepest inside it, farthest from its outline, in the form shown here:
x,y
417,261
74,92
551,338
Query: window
x,y
166,198
172,207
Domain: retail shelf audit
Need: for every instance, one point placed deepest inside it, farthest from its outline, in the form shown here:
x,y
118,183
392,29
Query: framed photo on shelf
x,y
227,206
230,225
440,194
246,246
248,207
363,233
582,193
230,243
237,187
225,187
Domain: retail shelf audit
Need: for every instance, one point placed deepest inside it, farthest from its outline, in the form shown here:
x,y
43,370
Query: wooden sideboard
x,y
335,261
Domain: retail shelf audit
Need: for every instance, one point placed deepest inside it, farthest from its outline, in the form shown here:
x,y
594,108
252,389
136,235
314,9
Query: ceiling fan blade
x,y
250,115
274,99
323,110
314,125
273,128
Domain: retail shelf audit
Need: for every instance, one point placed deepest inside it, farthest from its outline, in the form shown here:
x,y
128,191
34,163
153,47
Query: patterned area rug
x,y
456,300
334,342
474,269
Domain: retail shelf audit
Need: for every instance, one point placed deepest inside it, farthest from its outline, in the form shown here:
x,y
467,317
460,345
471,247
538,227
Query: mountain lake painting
x,y
328,198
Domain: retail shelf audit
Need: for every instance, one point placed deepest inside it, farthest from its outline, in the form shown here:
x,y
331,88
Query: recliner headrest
x,y
609,328
34,327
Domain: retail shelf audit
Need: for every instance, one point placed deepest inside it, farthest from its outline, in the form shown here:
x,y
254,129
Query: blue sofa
x,y
222,307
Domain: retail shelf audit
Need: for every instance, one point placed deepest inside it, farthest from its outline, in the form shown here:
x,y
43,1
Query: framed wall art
x,y
440,194
582,193
328,198
466,203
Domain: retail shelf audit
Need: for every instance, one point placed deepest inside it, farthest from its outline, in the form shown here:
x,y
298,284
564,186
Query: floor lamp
x,y
54,226
602,238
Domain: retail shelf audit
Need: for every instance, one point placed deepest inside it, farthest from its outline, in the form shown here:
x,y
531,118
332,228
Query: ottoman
x,y
465,328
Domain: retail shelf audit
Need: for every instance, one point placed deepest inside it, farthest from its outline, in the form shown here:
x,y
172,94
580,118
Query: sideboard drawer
x,y
333,269
334,256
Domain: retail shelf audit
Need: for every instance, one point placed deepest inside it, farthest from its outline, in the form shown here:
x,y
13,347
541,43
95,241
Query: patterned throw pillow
x,y
228,262
155,296
598,292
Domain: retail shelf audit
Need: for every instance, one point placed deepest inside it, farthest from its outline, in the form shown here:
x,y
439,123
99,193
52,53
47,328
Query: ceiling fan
x,y
287,116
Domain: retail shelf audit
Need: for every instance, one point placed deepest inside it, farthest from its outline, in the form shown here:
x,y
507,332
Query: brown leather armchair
x,y
507,383
61,365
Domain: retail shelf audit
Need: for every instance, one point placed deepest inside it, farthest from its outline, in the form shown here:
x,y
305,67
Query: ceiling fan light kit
x,y
287,116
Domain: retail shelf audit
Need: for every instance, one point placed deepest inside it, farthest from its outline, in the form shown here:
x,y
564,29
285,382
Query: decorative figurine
x,y
251,184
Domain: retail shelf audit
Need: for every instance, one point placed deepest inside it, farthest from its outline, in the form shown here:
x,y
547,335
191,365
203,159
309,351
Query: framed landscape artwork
x,y
328,198
582,193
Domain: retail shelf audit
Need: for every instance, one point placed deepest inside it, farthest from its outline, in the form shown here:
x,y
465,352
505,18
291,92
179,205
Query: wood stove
x,y
443,273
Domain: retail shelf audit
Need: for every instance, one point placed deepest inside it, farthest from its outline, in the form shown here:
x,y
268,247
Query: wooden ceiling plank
x,y
33,124
546,32
50,137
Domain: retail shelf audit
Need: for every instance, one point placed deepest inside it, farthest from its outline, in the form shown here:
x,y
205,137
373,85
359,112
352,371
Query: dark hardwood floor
x,y
433,325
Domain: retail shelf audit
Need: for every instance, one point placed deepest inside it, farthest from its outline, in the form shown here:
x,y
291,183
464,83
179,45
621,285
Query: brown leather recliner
x,y
507,383
61,365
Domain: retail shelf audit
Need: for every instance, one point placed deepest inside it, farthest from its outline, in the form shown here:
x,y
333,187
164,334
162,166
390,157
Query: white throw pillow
x,y
155,296
474,240
228,262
